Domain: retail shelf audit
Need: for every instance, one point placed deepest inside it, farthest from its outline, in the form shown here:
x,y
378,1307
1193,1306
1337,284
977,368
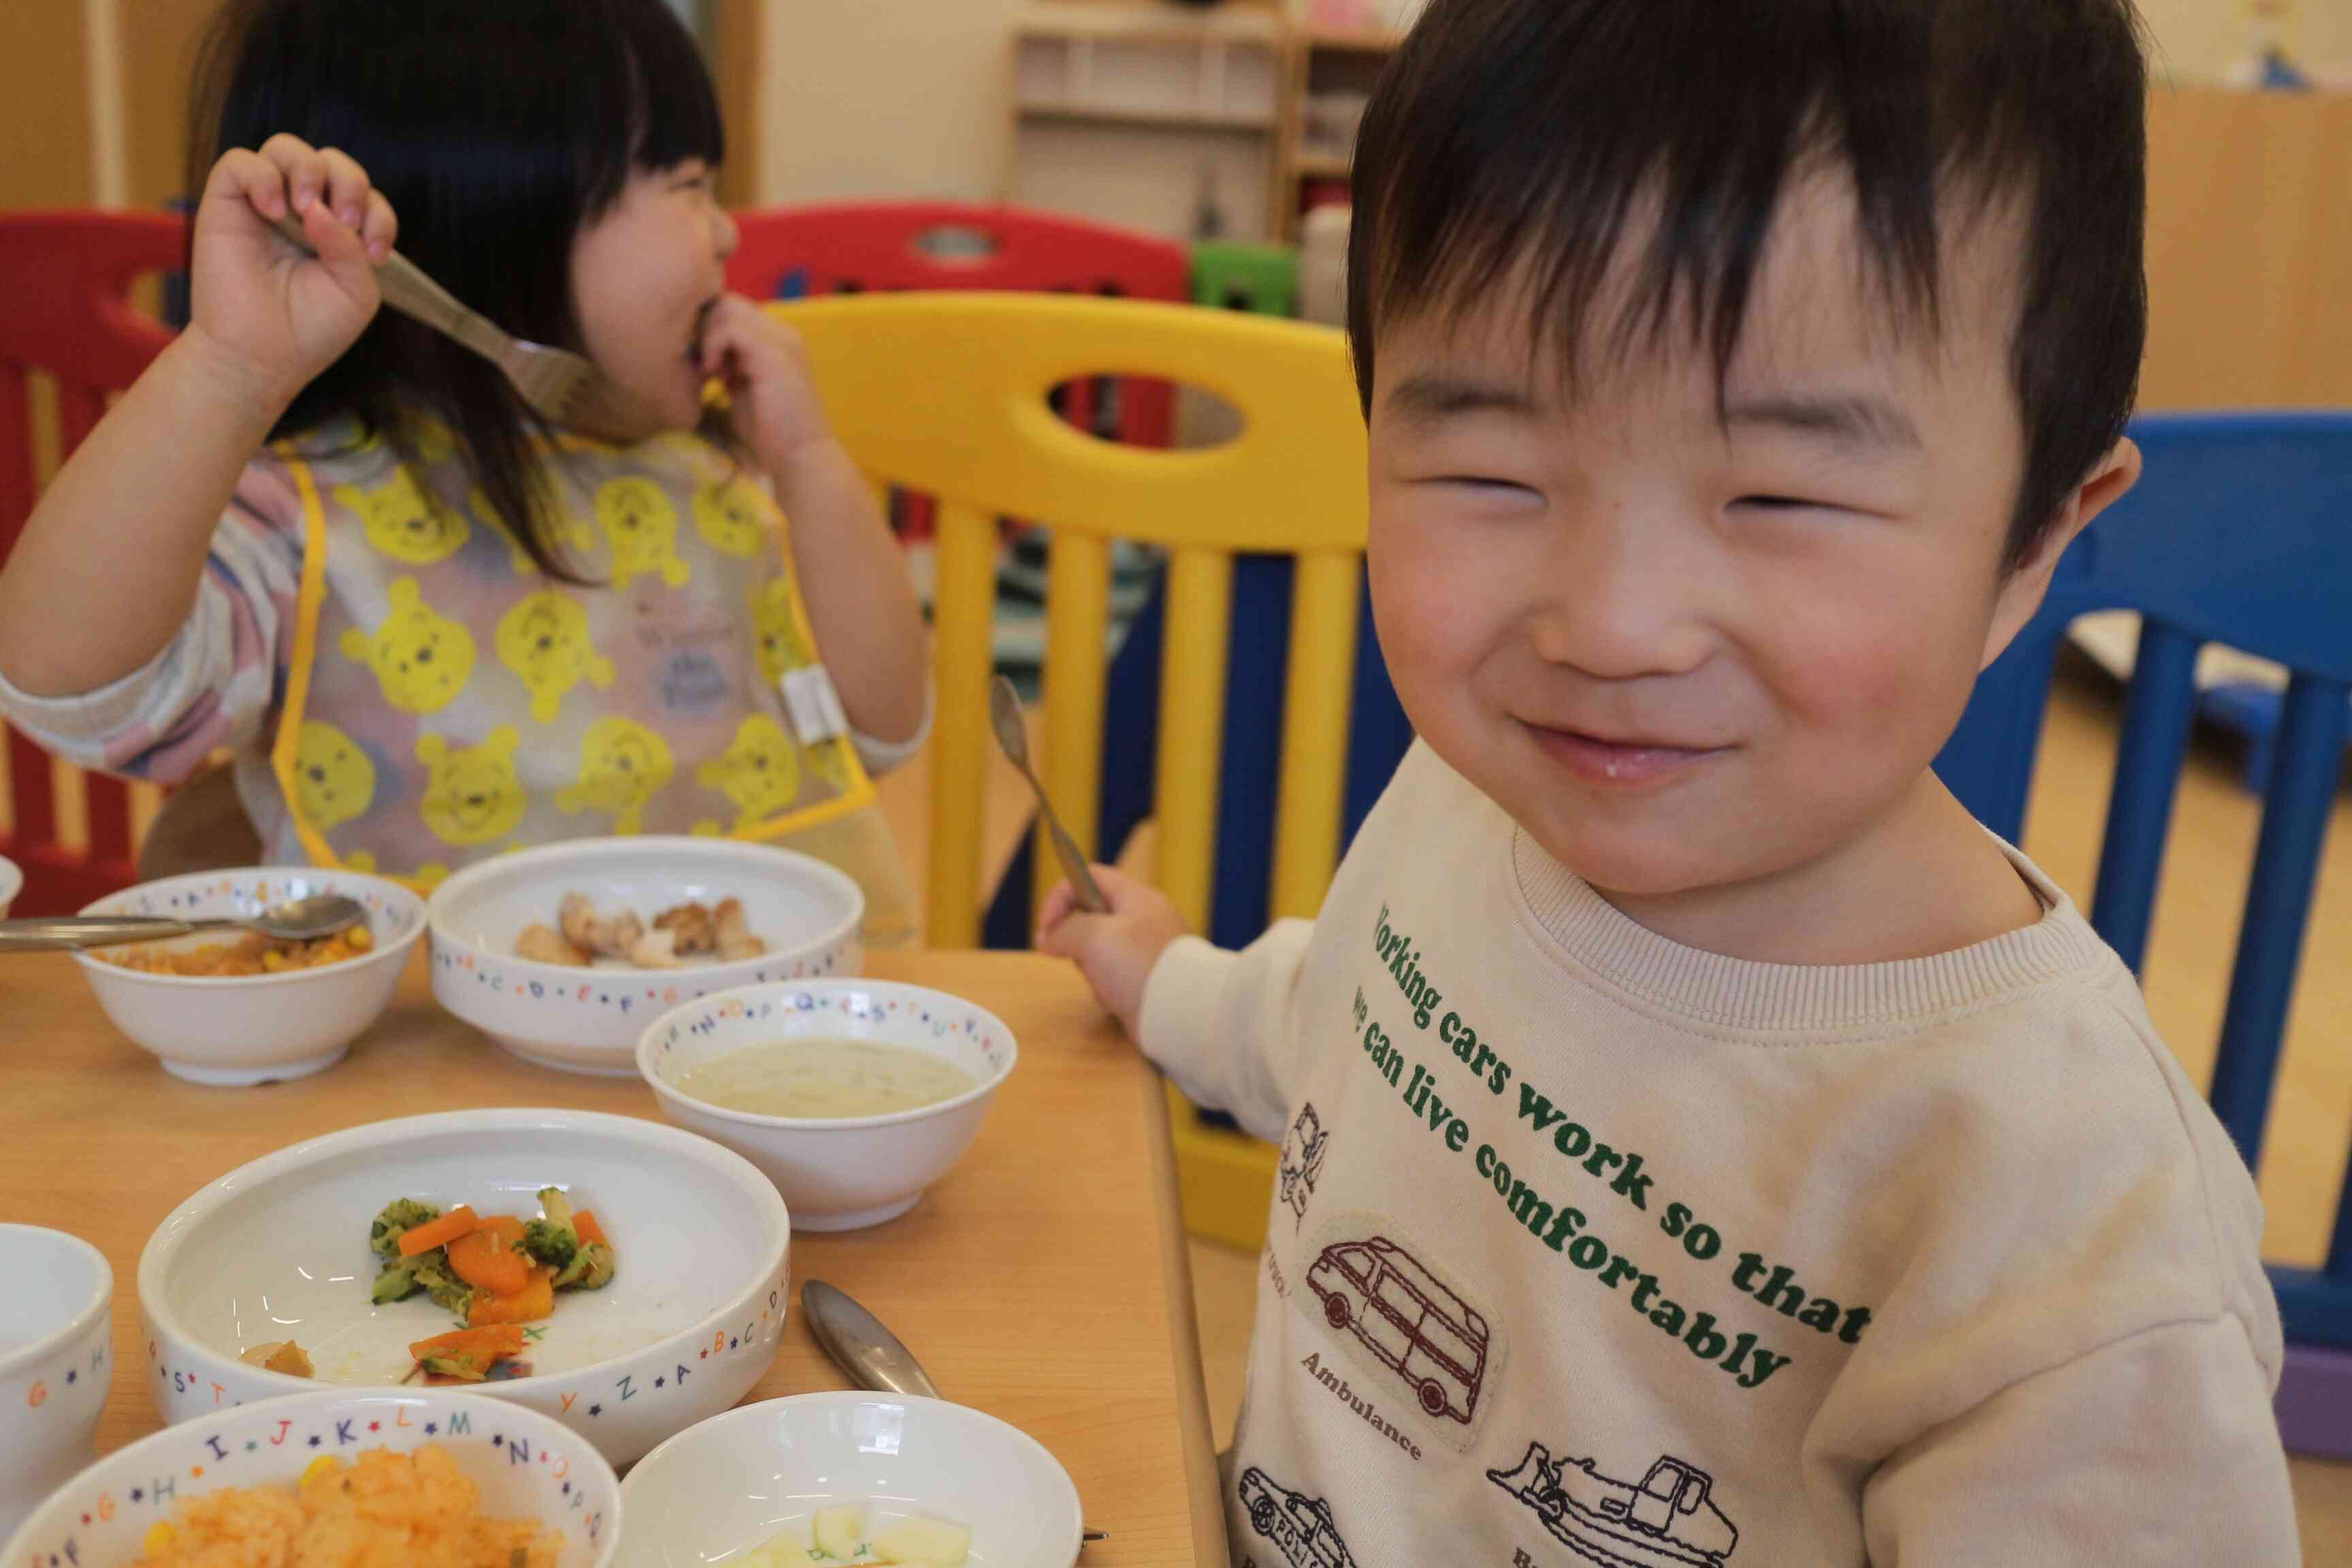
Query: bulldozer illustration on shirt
x,y
1300,1526
1668,1520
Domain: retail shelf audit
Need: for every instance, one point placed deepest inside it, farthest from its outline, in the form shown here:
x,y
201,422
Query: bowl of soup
x,y
853,1096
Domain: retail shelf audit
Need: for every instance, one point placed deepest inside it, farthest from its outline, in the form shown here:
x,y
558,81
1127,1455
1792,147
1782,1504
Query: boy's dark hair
x,y
496,128
1511,136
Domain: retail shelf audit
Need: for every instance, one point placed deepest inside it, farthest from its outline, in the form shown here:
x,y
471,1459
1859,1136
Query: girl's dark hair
x,y
497,129
1518,138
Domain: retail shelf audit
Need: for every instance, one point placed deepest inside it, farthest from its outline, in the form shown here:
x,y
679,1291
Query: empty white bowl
x,y
277,1250
588,1020
527,1467
12,883
57,1293
713,1492
844,1173
259,1028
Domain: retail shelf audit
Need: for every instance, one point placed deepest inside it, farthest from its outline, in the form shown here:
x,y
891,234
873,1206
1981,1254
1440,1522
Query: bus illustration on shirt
x,y
1667,1521
1411,1324
1300,1527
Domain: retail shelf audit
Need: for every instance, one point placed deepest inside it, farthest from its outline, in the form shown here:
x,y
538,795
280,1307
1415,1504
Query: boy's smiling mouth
x,y
1624,761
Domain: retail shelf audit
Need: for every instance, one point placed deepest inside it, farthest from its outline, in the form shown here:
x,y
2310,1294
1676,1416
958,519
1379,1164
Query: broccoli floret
x,y
592,1269
399,1216
555,1207
448,1292
397,1282
551,1244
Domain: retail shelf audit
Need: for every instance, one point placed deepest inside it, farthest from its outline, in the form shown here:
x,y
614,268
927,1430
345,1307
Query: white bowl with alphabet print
x,y
56,1295
235,1030
588,1020
836,1173
277,1250
525,1466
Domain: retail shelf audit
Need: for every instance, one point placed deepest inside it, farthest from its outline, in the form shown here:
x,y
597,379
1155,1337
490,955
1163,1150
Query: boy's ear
x,y
2022,590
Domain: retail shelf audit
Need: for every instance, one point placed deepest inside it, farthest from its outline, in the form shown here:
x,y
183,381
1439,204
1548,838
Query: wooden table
x,y
1044,1280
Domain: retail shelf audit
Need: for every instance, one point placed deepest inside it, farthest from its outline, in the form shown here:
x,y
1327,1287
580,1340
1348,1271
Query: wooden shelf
x,y
1320,166
1170,118
1153,24
1354,40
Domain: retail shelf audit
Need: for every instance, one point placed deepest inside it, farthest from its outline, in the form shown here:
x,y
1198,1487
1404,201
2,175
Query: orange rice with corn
x,y
249,955
383,1511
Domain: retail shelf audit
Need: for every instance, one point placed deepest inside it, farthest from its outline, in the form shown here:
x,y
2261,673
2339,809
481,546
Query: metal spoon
x,y
302,919
869,1355
1004,717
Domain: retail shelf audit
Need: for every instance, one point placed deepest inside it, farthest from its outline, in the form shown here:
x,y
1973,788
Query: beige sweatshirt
x,y
1590,1247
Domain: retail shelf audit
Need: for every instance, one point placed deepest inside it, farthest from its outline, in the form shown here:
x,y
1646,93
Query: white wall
x,y
884,99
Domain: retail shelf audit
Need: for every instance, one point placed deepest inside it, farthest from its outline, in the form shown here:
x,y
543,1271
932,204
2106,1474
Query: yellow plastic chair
x,y
947,393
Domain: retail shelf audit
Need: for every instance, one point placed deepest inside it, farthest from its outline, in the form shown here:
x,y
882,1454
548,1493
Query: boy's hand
x,y
1117,950
764,367
272,315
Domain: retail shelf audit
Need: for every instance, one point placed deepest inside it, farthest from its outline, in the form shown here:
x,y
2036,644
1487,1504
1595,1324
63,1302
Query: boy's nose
x,y
1619,601
725,236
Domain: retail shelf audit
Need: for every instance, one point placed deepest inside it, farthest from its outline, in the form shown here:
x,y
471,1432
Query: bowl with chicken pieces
x,y
563,953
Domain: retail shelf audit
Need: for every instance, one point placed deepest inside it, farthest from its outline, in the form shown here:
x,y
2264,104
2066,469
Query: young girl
x,y
430,626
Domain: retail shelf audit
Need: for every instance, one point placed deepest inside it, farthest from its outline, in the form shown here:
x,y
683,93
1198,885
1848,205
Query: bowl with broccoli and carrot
x,y
621,1276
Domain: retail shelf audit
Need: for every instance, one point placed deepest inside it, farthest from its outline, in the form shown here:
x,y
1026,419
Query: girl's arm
x,y
107,569
860,602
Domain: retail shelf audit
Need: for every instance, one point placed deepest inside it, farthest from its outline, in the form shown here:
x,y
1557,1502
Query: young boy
x,y
1724,1152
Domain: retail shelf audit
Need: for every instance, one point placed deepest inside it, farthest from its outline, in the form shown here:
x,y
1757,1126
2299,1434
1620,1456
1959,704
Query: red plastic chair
x,y
890,246
64,309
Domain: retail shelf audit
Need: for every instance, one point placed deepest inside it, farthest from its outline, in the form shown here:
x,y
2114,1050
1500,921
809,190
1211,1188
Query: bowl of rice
x,y
424,1476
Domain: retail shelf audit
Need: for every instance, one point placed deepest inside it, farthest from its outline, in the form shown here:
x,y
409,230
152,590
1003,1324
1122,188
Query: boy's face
x,y
643,274
1687,647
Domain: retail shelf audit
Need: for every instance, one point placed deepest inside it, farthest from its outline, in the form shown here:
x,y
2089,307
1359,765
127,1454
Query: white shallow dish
x,y
526,1466
588,1020
56,1292
12,883
844,1173
259,1028
711,1493
277,1250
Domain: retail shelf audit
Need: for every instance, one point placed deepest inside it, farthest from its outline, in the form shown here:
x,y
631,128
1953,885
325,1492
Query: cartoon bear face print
x,y
759,772
334,779
732,516
642,525
544,639
472,794
623,765
421,659
405,521
782,647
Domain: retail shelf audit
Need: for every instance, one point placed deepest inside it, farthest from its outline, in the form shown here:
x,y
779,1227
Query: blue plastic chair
x,y
2239,532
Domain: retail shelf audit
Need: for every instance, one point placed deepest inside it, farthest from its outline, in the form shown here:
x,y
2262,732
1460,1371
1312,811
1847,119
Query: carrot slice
x,y
528,1305
506,1226
584,1225
484,1260
433,1233
505,1340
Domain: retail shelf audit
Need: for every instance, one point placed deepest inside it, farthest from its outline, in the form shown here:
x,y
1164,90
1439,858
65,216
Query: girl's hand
x,y
1117,952
764,367
273,315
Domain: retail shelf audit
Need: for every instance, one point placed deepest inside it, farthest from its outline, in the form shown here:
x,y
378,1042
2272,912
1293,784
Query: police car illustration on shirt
x,y
1300,1527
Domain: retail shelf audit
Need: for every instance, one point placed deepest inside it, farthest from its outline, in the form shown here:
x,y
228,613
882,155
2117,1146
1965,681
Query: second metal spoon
x,y
868,1353
302,919
1004,718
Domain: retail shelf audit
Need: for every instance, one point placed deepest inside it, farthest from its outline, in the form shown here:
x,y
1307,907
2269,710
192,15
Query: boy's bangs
x,y
651,70
1632,149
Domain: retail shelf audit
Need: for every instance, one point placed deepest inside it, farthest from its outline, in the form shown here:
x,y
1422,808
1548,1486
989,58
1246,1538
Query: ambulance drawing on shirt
x,y
1411,1324
1300,1527
1668,1520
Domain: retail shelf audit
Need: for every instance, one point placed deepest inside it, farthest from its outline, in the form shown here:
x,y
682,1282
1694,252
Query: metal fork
x,y
565,388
